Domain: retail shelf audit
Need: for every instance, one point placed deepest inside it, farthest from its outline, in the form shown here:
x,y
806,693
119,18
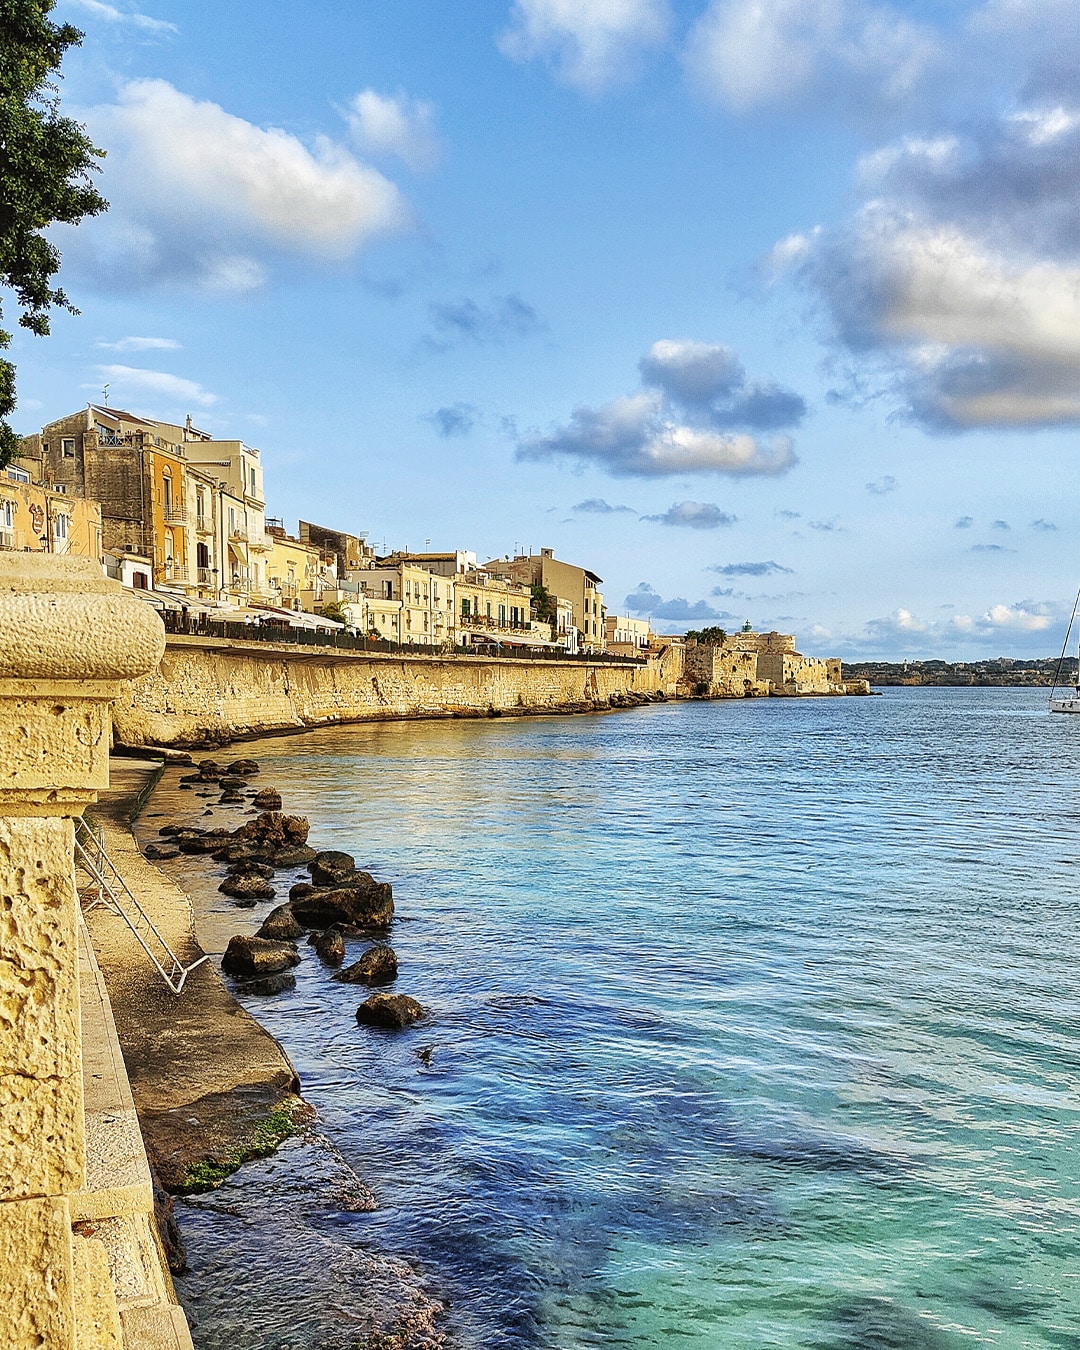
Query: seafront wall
x,y
207,690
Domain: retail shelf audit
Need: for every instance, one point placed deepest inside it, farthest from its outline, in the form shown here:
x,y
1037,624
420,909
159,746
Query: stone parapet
x,y
68,636
206,689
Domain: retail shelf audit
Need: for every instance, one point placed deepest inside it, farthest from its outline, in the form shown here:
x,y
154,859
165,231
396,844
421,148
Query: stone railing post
x,y
68,636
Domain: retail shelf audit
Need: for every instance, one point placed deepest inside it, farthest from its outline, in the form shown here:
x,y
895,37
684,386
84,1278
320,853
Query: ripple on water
x,y
753,1024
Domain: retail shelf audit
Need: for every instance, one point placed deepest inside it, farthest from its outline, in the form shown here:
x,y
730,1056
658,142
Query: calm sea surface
x,y
754,1024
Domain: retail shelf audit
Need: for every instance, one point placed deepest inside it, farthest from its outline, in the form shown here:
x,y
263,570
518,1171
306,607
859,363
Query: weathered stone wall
x,y
800,674
726,671
205,689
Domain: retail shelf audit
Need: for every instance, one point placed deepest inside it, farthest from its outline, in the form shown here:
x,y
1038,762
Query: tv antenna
x,y
105,394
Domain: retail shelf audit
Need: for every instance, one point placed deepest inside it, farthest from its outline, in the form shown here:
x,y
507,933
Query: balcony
x,y
175,515
203,525
11,541
174,572
261,543
238,534
206,576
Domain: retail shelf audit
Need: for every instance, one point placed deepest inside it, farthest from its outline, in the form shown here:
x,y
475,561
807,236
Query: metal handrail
x,y
187,623
105,886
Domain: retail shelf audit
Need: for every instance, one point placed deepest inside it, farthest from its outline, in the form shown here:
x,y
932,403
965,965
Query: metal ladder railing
x,y
102,884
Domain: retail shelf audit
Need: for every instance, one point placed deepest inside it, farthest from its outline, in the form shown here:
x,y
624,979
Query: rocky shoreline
x,y
343,912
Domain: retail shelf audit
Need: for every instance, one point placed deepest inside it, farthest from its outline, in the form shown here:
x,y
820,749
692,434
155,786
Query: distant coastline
x,y
1035,672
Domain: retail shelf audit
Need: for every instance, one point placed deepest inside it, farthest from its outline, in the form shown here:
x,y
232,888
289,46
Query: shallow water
x,y
754,1024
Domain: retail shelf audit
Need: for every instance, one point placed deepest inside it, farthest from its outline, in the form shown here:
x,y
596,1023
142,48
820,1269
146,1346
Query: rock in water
x,y
393,1011
295,856
159,852
332,868
251,957
257,869
247,886
269,984
275,829
365,902
269,799
280,925
378,965
329,945
243,768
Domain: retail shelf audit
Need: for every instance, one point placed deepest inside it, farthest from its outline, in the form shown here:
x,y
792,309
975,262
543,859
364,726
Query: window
x,y
18,475
466,608
202,555
251,472
60,527
7,515
67,447
502,616
166,492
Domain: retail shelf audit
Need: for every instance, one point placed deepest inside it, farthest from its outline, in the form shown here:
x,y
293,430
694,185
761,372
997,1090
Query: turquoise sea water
x,y
754,1024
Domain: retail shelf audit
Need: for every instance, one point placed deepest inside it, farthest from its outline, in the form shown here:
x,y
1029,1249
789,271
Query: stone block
x,y
36,1276
41,1091
97,1317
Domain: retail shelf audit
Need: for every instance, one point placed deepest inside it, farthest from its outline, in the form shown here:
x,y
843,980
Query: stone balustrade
x,y
68,637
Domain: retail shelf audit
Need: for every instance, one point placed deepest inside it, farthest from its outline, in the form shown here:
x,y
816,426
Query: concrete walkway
x,y
210,1085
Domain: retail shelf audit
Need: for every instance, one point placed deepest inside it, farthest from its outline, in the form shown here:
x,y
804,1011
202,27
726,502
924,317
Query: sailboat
x,y
1069,699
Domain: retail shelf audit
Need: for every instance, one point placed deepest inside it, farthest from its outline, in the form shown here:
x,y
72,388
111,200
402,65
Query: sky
x,y
764,310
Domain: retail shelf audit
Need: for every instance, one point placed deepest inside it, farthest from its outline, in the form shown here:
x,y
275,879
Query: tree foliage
x,y
545,606
708,637
46,162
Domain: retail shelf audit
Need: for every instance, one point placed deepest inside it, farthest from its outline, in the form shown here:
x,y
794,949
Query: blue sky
x,y
763,309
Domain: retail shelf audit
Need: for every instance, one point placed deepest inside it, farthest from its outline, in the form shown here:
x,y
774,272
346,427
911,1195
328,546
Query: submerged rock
x,y
247,957
393,1011
269,984
159,852
365,903
378,965
269,799
280,925
329,945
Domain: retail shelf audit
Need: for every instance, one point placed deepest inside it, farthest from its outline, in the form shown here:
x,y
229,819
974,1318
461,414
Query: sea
x,y
751,1024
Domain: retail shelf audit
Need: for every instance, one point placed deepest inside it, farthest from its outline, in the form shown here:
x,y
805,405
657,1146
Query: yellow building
x,y
171,493
426,602
562,581
626,636
38,519
490,607
293,568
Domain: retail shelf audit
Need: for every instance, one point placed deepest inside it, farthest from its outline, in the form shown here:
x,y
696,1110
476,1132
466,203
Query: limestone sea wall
x,y
206,689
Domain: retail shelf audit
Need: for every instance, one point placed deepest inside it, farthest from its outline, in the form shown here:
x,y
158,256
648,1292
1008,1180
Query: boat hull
x,y
1065,705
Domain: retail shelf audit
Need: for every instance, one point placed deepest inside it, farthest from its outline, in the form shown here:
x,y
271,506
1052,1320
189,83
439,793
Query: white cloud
x,y
129,18
201,195
140,344
962,271
845,55
999,625
157,382
594,43
1016,616
697,412
395,125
